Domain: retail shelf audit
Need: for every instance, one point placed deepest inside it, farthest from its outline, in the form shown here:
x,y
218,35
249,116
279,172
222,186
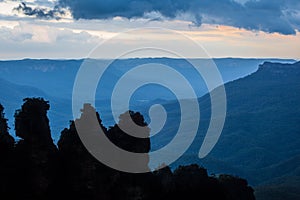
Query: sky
x,y
64,29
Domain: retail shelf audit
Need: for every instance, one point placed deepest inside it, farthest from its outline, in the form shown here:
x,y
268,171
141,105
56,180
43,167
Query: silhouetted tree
x,y
193,181
236,188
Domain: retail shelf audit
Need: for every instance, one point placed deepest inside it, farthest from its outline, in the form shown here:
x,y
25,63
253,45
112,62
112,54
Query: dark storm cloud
x,y
43,13
281,16
265,15
103,9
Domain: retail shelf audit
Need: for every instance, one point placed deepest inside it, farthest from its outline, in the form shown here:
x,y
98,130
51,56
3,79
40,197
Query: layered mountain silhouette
x,y
260,139
259,142
54,79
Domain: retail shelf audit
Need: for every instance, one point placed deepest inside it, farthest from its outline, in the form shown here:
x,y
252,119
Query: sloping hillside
x,y
261,137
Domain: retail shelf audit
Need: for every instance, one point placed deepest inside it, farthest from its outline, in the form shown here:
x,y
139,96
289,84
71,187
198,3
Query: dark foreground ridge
x,y
35,168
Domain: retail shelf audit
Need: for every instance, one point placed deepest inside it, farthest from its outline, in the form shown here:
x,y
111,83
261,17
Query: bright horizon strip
x,y
71,39
219,44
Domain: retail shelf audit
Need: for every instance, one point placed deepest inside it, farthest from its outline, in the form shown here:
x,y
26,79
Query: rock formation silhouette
x,y
34,168
7,158
35,152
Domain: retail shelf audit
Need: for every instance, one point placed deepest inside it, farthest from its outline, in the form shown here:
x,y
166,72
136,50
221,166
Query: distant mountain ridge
x,y
261,136
54,79
260,140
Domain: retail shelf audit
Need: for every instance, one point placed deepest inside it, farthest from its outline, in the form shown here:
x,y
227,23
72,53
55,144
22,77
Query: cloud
x,y
82,37
94,9
29,39
14,35
42,13
260,15
26,32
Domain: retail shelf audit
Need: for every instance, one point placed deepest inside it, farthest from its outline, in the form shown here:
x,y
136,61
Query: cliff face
x,y
261,131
